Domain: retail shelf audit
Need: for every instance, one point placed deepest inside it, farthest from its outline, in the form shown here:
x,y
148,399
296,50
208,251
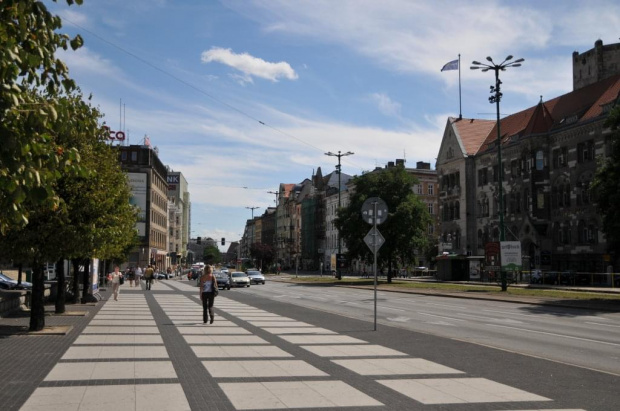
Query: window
x,y
134,156
540,160
559,156
418,188
431,208
585,151
124,156
431,189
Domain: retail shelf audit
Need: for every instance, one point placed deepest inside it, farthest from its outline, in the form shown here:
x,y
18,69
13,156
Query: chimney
x,y
421,165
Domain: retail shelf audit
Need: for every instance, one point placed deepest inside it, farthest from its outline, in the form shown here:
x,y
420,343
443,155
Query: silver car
x,y
256,277
239,279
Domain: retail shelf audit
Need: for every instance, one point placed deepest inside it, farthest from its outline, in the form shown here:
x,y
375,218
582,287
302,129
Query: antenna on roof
x,y
541,98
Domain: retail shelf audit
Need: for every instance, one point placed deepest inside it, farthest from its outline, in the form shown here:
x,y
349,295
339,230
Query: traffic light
x,y
199,240
223,241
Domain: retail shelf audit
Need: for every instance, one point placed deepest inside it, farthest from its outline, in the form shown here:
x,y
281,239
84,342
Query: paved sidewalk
x,y
151,351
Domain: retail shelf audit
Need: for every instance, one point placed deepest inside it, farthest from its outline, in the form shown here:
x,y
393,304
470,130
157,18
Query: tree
x,y
211,255
32,78
264,254
94,217
405,228
606,184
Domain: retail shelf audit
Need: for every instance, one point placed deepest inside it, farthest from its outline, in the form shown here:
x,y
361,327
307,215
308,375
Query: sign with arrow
x,y
374,240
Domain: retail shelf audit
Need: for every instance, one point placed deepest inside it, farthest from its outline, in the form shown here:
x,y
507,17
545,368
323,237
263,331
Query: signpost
x,y
375,212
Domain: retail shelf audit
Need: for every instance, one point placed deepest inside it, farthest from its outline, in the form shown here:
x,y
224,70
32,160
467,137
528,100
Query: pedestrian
x,y
138,276
208,287
115,279
148,276
131,275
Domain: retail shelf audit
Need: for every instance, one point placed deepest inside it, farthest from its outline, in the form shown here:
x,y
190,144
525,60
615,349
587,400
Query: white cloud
x,y
420,37
386,105
249,65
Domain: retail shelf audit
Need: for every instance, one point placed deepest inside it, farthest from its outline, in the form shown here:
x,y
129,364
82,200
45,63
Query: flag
x,y
453,65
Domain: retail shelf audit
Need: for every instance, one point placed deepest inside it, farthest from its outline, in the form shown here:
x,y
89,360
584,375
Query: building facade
x,y
549,156
149,193
178,216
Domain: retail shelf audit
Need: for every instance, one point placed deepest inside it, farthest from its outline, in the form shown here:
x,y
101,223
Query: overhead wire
x,y
190,85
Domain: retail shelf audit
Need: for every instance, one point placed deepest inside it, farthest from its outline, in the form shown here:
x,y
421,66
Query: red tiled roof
x,y
580,105
286,189
472,132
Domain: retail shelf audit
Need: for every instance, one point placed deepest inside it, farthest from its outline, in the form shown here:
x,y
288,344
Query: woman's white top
x,y
116,277
207,286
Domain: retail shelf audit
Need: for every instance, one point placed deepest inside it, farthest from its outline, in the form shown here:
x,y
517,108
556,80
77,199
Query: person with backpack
x,y
149,273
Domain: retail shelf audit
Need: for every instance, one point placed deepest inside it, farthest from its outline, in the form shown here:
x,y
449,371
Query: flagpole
x,y
460,109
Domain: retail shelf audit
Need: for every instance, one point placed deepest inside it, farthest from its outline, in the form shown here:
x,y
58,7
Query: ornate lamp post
x,y
339,155
496,96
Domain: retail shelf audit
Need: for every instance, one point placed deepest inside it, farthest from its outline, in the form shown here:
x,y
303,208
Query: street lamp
x,y
339,155
495,98
275,240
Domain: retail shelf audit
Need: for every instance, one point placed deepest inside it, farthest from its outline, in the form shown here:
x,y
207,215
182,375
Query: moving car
x,y
223,281
7,283
239,279
256,277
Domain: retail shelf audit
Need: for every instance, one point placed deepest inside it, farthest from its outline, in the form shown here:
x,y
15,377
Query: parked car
x,y
224,270
162,276
256,277
239,279
7,283
223,281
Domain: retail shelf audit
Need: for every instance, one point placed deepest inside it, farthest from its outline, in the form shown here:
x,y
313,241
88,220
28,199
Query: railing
x,y
566,278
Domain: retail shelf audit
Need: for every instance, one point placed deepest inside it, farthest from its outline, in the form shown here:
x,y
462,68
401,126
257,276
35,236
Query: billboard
x,y
138,186
511,255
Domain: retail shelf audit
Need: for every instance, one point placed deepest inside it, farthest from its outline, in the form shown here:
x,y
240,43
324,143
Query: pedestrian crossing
x,y
121,362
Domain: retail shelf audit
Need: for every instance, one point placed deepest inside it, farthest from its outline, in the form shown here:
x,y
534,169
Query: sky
x,y
243,95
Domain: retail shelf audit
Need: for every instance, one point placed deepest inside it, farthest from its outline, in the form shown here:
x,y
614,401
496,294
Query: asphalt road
x,y
577,337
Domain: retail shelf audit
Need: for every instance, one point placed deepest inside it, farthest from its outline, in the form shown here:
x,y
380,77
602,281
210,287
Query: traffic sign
x,y
368,210
374,240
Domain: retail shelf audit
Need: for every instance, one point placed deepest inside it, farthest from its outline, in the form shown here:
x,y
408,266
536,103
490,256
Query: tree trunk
x,y
87,296
37,307
75,285
61,288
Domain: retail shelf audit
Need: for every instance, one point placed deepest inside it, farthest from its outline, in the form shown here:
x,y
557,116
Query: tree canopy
x,y
606,184
405,229
32,79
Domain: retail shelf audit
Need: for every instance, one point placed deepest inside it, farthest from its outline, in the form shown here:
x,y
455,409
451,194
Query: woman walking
x,y
208,285
115,279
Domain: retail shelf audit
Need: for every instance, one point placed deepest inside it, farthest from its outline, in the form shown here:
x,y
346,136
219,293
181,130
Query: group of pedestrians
x,y
208,288
116,278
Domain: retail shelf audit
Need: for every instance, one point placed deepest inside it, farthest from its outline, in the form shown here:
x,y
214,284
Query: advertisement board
x,y
138,185
511,255
94,275
474,269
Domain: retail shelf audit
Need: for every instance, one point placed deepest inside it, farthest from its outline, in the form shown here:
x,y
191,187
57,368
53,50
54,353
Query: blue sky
x,y
199,76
